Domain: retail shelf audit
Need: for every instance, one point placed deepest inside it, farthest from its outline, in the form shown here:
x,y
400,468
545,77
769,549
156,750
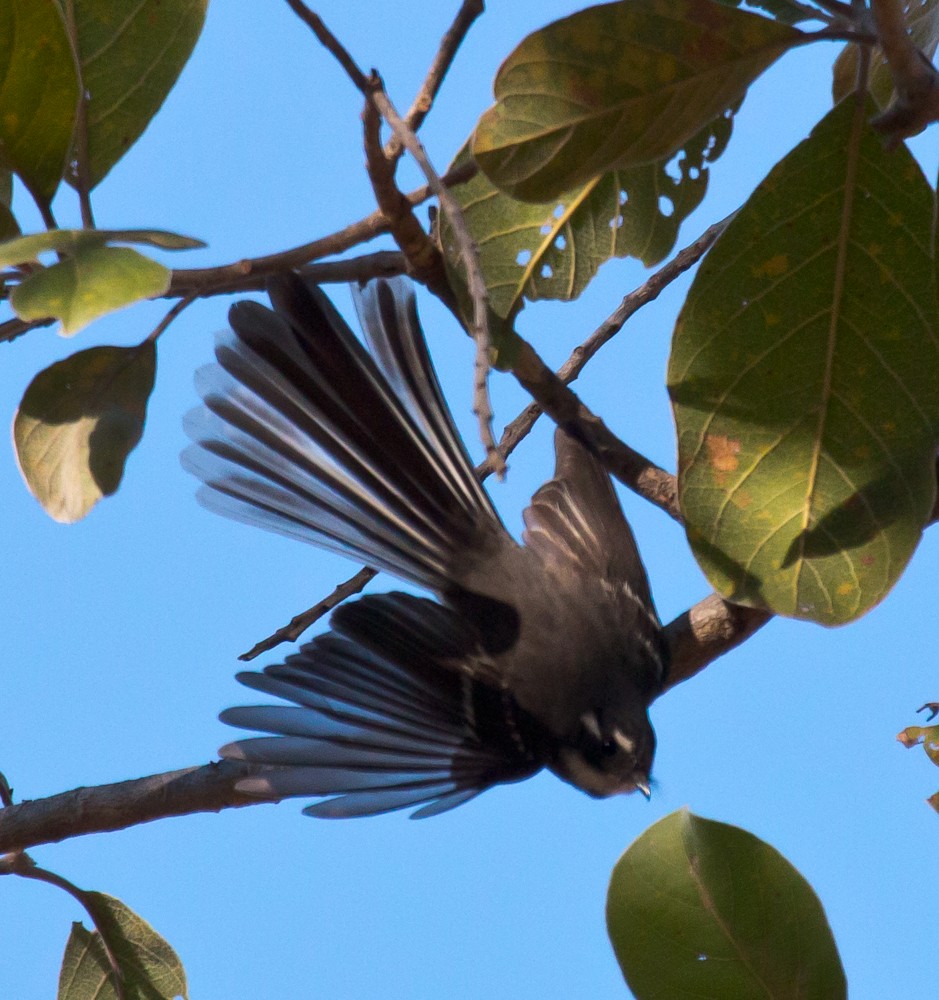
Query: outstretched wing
x,y
392,709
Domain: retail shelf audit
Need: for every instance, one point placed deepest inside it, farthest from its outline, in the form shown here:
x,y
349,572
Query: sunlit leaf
x,y
699,910
78,422
151,970
928,736
922,18
804,380
618,85
26,248
89,283
131,57
552,250
38,93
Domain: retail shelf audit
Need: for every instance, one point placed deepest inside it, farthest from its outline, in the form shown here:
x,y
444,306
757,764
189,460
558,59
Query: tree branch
x,y
708,630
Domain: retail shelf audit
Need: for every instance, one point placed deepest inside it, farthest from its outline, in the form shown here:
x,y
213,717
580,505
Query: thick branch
x,y
127,803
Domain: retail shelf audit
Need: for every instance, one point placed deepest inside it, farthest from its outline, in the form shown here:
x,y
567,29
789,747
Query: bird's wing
x,y
575,523
392,709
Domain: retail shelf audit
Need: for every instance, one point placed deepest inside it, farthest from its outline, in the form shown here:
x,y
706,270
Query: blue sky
x,y
121,633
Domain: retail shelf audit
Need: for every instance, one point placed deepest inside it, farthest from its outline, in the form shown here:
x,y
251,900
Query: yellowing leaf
x,y
88,284
27,248
38,93
78,422
803,377
618,85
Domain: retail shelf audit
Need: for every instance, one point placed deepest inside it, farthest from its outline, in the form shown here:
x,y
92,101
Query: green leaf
x,y
803,377
78,422
922,18
131,57
928,736
552,250
151,969
88,284
28,248
9,227
38,93
699,910
618,85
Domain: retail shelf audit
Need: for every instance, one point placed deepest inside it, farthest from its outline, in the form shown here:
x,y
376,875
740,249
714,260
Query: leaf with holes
x,y
151,970
38,93
131,57
87,284
616,86
803,377
706,910
78,422
922,18
553,250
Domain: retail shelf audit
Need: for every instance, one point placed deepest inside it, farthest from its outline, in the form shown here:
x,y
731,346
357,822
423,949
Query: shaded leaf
x,y
78,421
38,93
699,910
131,57
151,969
804,380
922,18
89,283
26,248
9,227
552,250
618,85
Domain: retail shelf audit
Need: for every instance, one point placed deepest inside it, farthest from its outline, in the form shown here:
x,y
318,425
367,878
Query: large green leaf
x,y
618,85
151,970
805,380
922,18
131,55
38,93
78,421
87,284
699,910
552,250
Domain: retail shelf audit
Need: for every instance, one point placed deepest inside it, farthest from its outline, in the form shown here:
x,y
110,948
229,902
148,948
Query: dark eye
x,y
608,747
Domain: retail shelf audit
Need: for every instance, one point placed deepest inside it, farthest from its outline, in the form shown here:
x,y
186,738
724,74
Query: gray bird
x,y
546,654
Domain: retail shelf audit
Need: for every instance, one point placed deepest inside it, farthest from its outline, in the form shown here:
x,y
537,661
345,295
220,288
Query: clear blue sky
x,y
121,633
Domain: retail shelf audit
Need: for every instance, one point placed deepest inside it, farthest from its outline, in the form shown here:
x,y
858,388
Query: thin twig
x,y
648,291
373,89
253,271
183,303
82,174
300,623
449,44
27,868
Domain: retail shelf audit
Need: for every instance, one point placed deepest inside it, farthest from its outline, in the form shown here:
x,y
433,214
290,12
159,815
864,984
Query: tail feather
x,y
376,727
304,432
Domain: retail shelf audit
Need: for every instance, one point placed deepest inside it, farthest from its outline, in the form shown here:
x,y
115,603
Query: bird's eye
x,y
608,747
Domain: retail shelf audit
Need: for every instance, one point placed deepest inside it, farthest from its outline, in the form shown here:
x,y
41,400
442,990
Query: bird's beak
x,y
643,786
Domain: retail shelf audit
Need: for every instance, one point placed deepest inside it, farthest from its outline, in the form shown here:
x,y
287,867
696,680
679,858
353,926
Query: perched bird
x,y
546,654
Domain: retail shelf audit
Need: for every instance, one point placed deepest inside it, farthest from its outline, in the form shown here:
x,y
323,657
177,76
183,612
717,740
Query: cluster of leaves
x,y
802,374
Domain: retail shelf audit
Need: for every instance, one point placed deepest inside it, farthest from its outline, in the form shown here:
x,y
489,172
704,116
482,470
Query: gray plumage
x,y
542,654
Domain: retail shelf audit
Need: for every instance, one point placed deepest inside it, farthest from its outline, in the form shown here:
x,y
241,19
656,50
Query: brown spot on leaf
x,y
722,452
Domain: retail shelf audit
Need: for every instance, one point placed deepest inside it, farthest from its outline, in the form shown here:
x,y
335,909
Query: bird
x,y
532,655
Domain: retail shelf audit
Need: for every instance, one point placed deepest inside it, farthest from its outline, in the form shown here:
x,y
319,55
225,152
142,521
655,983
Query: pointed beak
x,y
643,786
